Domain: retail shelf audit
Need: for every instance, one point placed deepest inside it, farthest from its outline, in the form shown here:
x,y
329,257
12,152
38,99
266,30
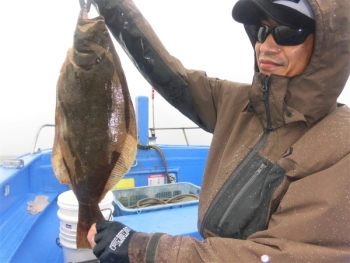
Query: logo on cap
x,y
301,6
294,1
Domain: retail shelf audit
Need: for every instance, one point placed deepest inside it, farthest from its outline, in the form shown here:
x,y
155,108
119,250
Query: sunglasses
x,y
283,35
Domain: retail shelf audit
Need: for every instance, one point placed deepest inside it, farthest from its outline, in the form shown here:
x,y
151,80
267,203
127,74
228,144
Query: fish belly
x,y
95,129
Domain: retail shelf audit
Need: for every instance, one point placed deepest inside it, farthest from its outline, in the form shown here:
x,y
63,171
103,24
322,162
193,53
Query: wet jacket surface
x,y
277,178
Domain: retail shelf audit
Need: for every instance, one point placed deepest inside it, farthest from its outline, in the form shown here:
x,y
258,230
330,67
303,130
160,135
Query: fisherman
x,y
276,185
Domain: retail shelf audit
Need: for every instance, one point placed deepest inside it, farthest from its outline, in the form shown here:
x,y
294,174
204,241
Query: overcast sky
x,y
36,35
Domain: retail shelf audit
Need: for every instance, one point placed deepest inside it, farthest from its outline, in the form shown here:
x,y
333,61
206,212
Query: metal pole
x,y
37,135
152,139
183,130
153,108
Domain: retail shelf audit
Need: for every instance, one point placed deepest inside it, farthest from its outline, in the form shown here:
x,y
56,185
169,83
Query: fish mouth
x,y
84,37
83,49
83,21
87,60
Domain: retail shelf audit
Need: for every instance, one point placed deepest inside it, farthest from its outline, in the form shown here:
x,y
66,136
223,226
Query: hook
x,y
86,5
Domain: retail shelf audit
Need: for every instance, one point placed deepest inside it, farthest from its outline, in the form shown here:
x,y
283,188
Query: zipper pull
x,y
250,107
265,88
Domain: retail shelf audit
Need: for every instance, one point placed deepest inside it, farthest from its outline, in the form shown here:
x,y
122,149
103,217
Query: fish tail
x,y
88,215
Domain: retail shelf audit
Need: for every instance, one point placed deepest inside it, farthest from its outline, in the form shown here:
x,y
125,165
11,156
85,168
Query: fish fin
x,y
124,163
57,159
59,166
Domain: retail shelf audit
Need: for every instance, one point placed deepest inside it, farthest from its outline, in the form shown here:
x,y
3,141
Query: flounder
x,y
95,132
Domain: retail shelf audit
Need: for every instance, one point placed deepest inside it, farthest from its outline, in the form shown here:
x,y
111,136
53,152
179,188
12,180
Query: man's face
x,y
282,60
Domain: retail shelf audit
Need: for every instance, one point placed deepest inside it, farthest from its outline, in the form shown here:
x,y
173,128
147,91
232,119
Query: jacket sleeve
x,y
164,72
310,225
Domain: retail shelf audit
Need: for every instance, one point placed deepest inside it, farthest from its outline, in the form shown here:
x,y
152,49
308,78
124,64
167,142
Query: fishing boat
x,y
38,237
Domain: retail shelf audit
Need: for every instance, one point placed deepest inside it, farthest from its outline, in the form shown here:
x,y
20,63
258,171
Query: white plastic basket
x,y
124,198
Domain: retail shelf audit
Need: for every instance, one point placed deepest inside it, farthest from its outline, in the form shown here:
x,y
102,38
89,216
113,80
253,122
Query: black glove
x,y
112,241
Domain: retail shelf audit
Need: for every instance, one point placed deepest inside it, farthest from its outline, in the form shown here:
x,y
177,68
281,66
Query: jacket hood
x,y
314,92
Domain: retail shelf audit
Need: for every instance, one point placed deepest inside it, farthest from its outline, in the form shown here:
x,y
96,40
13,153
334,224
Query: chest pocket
x,y
241,207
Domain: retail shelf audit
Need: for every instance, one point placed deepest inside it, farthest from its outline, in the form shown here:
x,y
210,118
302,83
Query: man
x,y
276,183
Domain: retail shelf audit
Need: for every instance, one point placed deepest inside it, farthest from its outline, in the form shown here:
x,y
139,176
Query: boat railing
x,y
152,130
34,149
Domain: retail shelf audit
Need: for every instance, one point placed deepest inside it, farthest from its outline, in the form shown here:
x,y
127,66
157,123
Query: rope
x,y
152,201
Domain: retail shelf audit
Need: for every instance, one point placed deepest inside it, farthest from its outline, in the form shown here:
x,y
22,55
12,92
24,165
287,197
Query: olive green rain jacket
x,y
277,178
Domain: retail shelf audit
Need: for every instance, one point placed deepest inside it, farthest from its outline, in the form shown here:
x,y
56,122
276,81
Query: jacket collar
x,y
267,96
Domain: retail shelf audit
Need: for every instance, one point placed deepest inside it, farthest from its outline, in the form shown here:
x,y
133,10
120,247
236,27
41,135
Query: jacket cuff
x,y
143,247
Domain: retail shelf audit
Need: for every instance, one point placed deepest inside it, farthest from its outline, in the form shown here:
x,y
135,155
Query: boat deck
x,y
25,237
41,231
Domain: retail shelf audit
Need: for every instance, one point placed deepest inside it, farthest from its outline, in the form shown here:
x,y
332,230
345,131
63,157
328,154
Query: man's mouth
x,y
269,62
269,65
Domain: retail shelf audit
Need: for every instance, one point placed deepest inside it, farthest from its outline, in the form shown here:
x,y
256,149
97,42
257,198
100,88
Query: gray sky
x,y
37,34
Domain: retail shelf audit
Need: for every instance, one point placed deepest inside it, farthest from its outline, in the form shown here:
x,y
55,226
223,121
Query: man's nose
x,y
269,45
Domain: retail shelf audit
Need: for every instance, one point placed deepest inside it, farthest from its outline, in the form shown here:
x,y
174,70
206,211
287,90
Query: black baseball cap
x,y
292,13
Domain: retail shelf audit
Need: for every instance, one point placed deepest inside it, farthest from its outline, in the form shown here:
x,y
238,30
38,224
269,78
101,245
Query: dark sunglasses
x,y
283,35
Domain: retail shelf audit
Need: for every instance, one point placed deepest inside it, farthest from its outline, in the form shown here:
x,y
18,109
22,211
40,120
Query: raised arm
x,y
164,72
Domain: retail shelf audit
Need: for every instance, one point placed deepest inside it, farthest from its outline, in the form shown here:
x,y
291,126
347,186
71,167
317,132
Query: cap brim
x,y
250,12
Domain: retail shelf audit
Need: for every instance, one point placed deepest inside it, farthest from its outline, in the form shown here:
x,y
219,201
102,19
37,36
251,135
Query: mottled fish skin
x,y
95,136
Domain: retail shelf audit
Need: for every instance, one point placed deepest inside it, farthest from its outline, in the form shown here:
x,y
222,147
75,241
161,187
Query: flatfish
x,y
95,127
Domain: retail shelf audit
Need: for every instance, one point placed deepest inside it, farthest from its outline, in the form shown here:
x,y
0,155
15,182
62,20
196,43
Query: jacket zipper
x,y
239,194
232,177
265,89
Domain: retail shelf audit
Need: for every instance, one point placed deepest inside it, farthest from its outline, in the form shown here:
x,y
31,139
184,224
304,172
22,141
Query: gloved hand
x,y
112,241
